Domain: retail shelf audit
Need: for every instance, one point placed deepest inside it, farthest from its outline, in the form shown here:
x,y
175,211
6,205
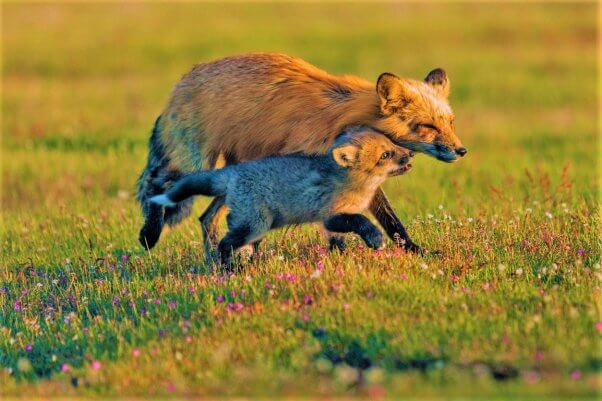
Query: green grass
x,y
510,307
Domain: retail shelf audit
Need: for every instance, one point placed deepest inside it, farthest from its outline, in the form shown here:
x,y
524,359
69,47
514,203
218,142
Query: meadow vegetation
x,y
510,305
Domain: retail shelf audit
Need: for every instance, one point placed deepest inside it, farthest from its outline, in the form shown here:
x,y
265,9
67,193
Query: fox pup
x,y
251,106
265,194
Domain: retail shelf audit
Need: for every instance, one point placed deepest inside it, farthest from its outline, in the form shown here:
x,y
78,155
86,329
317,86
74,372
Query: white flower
x,y
519,272
424,266
549,215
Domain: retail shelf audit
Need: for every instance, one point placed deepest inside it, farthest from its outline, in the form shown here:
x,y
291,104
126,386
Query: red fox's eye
x,y
386,155
427,126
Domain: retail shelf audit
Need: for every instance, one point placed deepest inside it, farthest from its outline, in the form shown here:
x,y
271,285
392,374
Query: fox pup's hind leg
x,y
382,210
356,223
245,228
209,225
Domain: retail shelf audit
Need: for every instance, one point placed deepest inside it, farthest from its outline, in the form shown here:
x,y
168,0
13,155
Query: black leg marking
x,y
209,223
153,225
356,223
234,239
336,242
382,210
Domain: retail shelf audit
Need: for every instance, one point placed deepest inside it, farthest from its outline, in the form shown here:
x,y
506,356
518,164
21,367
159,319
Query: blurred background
x,y
83,83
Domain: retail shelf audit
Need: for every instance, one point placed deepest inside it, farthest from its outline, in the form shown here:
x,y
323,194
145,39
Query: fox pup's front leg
x,y
356,223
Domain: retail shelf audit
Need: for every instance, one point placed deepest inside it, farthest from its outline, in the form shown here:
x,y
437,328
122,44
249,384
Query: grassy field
x,y
510,307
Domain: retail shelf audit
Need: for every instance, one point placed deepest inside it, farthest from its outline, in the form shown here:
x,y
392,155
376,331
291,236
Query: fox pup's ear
x,y
393,93
345,155
439,81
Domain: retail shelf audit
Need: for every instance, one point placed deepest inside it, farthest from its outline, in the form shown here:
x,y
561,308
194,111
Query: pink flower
x,y
599,327
346,306
575,375
307,300
306,318
153,351
487,286
65,368
171,304
96,365
453,278
220,298
539,356
136,352
188,339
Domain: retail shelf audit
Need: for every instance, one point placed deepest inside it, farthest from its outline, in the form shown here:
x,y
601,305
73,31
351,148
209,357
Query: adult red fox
x,y
251,106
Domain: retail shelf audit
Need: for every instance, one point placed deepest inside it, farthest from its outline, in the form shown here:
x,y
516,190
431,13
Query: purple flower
x,y
18,305
191,290
115,301
161,333
28,347
580,251
124,258
220,298
576,375
171,304
307,300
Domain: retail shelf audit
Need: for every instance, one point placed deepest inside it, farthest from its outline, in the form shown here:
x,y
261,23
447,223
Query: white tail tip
x,y
162,200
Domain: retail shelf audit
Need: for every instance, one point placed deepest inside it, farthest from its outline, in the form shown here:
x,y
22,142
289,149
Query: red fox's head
x,y
417,115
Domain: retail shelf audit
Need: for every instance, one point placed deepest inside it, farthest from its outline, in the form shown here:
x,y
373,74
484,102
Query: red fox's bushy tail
x,y
208,183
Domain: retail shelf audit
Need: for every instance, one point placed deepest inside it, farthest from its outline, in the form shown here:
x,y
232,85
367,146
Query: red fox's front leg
x,y
384,213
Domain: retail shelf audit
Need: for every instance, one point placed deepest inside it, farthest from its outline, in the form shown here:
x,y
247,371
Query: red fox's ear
x,y
439,81
345,155
393,93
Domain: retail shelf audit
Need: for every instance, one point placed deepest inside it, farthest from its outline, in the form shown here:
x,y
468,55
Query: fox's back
x,y
293,188
252,106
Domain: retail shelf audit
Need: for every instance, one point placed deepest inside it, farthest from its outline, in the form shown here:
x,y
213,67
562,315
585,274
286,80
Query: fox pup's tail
x,y
208,183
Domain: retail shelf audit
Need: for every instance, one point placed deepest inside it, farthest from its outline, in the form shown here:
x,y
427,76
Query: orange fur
x,y
250,106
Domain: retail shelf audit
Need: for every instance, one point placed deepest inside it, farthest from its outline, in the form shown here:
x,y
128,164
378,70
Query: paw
x,y
374,240
336,243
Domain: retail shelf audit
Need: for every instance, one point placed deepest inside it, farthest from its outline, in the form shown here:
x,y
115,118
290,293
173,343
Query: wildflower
x,y
549,215
424,266
238,307
161,333
307,300
96,365
136,352
501,267
65,368
599,327
124,259
453,278
153,351
518,272
191,290
539,356
220,298
576,374
18,306
171,304
487,286
28,347
188,339
306,318
580,251
115,301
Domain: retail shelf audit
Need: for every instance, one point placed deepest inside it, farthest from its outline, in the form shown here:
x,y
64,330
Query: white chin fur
x,y
162,200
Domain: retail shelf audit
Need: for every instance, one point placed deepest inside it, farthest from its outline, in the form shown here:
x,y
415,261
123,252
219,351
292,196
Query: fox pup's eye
x,y
386,155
